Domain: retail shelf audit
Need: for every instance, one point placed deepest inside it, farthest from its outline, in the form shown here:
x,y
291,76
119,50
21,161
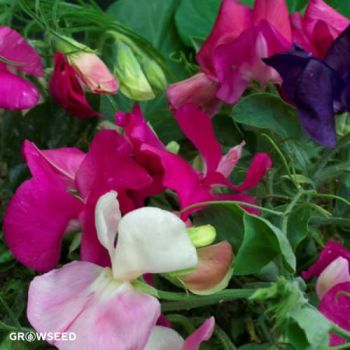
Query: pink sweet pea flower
x,y
163,338
323,24
16,54
101,305
333,285
63,190
194,186
231,57
93,72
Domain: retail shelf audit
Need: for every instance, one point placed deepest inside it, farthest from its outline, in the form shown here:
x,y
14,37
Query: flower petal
x,y
164,338
276,13
13,47
203,333
36,220
213,267
152,240
330,252
84,299
16,92
336,272
199,90
198,128
335,305
232,20
230,159
60,163
258,168
107,218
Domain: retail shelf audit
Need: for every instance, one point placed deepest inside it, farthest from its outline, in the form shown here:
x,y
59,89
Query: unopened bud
x,y
202,236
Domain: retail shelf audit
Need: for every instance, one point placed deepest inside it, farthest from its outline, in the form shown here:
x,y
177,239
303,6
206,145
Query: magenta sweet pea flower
x,y
62,194
231,56
193,186
101,305
322,24
17,55
67,90
333,285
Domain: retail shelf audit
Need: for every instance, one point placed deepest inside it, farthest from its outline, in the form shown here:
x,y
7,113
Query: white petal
x,y
163,338
107,218
152,240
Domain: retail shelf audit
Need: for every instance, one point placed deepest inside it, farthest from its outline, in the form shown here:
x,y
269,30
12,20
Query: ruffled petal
x,y
16,92
232,20
36,220
152,240
336,272
238,63
198,128
14,48
82,298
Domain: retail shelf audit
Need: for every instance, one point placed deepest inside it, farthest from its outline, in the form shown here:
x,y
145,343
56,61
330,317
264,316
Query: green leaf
x,y
341,6
195,18
227,220
267,111
313,328
262,242
298,222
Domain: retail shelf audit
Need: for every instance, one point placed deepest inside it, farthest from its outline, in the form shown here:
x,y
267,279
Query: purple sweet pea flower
x,y
317,88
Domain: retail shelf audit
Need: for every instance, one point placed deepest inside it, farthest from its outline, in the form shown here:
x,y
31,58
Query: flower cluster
x,y
134,209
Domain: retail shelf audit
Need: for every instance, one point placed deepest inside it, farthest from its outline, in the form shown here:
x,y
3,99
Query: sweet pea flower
x,y
231,55
17,55
67,90
317,88
62,194
333,285
320,26
193,186
102,306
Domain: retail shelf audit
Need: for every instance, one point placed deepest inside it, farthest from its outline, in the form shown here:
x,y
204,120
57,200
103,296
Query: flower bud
x,y
201,236
88,66
133,82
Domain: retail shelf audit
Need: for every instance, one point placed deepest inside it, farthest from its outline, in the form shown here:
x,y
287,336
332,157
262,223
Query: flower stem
x,y
181,301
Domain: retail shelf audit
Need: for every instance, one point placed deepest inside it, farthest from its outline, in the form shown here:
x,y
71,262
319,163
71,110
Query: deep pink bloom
x,y
194,186
320,26
333,286
15,91
67,90
231,56
62,194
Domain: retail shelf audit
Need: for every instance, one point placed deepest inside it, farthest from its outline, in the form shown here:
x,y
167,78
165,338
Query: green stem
x,y
289,209
244,204
319,221
330,196
10,313
341,332
186,302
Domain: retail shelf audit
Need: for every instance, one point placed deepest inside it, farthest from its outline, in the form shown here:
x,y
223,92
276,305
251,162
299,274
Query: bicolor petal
x,y
335,273
84,299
